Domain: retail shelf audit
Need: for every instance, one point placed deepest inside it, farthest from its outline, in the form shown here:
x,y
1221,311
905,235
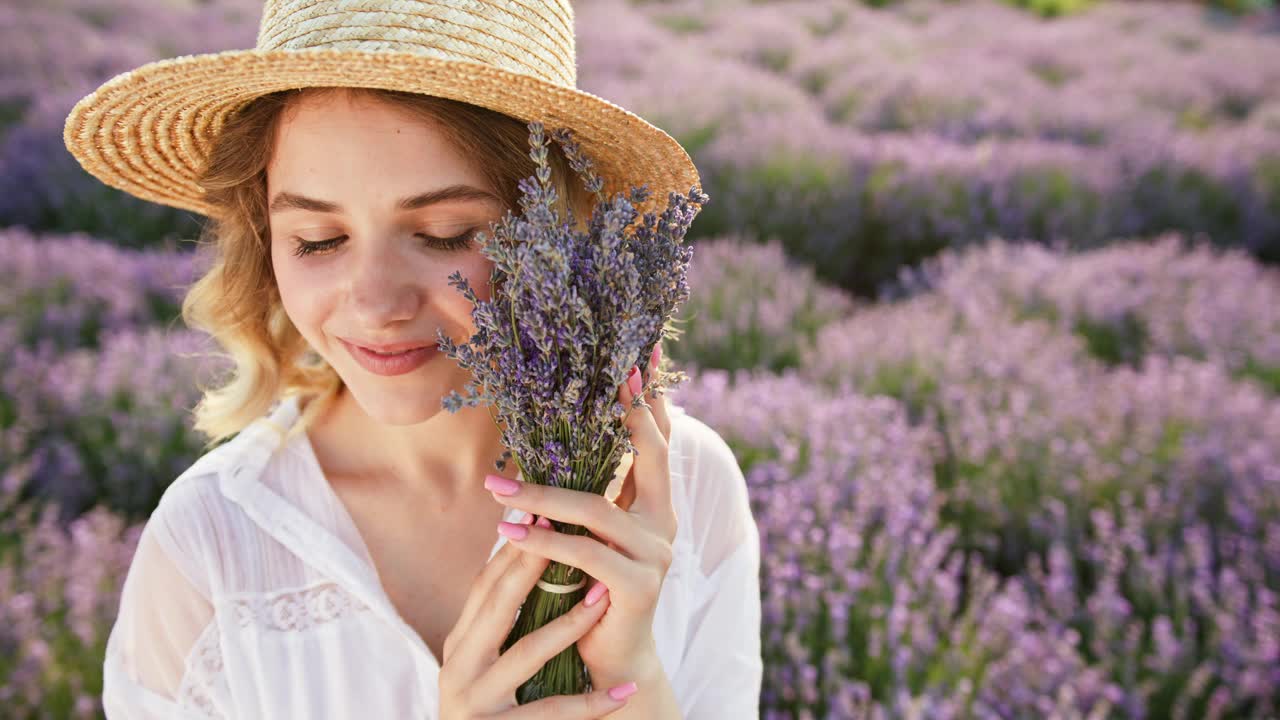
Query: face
x,y
378,272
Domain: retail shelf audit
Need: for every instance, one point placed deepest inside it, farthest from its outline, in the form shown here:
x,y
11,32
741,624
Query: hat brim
x,y
149,131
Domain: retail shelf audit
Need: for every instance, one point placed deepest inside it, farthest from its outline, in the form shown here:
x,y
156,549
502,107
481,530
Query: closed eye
x,y
457,242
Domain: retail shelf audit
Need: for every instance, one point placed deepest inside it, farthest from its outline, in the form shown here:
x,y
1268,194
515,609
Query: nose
x,y
383,287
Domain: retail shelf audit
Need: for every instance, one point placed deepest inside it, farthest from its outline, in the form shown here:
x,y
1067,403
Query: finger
x,y
594,512
530,653
658,403
621,490
498,566
627,495
481,640
595,558
651,471
594,704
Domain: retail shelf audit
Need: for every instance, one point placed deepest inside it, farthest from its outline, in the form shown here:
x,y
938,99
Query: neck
x,y
444,458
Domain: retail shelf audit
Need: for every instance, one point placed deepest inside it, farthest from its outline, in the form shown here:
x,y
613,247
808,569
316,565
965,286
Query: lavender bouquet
x,y
569,314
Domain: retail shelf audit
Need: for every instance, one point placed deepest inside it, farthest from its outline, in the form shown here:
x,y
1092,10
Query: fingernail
x,y
633,380
596,592
501,485
527,519
543,522
622,692
513,530
656,356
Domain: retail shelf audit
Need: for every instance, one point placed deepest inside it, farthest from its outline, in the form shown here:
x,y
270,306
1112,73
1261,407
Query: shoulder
x,y
198,484
202,480
706,456
194,520
719,510
713,479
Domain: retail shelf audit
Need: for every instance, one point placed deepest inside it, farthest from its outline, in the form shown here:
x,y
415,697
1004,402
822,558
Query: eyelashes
x,y
449,244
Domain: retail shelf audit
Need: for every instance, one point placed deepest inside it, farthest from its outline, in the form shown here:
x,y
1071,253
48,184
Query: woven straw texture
x,y
148,131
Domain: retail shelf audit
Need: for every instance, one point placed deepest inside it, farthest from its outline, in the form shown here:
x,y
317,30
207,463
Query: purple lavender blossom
x,y
52,54
847,132
58,598
106,426
1043,485
1167,296
755,307
67,291
1153,489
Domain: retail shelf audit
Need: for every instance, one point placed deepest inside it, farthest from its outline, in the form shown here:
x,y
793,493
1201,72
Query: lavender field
x,y
987,306
863,138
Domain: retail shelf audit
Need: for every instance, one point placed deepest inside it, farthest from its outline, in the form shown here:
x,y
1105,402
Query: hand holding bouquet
x,y
571,313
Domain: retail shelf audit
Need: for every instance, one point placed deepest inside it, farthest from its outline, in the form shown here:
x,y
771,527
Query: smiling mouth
x,y
389,349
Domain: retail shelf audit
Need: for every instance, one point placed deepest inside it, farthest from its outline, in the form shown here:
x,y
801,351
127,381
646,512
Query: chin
x,y
396,405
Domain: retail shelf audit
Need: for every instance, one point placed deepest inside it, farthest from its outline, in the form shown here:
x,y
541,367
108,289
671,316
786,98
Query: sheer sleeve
x,y
722,667
164,608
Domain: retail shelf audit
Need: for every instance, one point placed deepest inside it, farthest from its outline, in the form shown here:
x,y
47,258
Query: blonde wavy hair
x,y
236,301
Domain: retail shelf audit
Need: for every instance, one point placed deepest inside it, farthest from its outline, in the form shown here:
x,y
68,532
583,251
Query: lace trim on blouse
x,y
283,611
205,667
293,610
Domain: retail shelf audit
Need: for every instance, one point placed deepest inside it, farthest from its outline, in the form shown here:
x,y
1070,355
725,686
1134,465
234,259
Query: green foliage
x,y
797,172
697,138
843,109
1266,375
768,196
1052,74
1243,7
681,24
1053,8
1195,119
103,211
1267,176
826,27
1121,342
909,382
815,80
1204,203
774,59
1049,193
12,110
752,309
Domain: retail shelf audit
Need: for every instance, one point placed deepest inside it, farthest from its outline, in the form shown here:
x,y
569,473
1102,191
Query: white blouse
x,y
253,595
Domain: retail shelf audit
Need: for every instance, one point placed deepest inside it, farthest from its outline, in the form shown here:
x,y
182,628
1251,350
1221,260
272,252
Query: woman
x,y
337,556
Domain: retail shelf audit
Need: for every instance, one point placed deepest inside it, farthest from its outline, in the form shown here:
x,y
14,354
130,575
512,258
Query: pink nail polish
x,y
634,380
623,692
513,531
543,522
596,592
501,485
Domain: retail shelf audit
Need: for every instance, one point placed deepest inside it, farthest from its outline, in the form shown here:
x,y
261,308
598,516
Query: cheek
x,y
302,300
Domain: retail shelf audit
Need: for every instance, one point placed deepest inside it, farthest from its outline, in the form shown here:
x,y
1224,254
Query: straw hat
x,y
149,131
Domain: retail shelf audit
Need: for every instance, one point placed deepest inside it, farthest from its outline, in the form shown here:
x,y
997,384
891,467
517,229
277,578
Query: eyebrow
x,y
284,201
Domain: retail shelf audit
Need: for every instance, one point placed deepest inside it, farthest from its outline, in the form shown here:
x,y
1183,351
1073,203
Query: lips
x,y
390,353
389,347
397,364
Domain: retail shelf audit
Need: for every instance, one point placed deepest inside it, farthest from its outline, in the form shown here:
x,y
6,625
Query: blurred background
x,y
985,301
